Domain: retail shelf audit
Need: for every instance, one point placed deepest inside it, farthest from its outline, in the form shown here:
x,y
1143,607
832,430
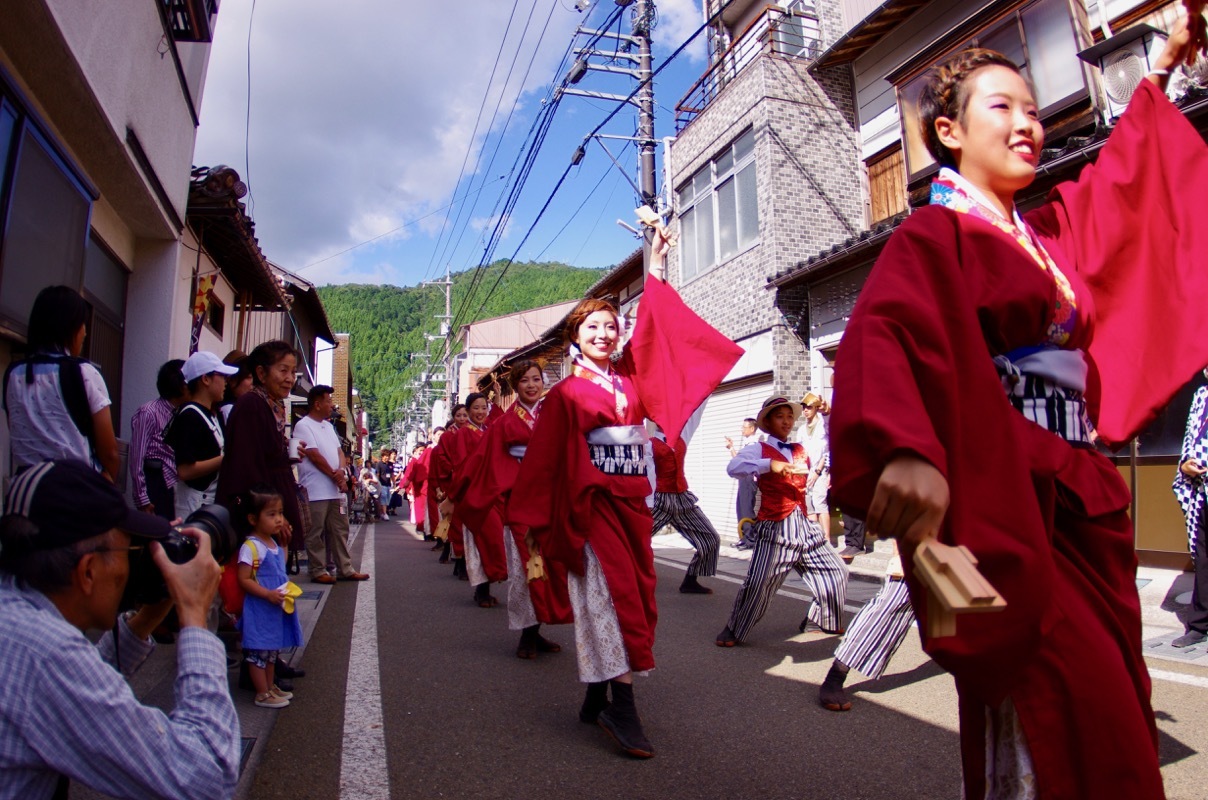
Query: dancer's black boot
x,y
445,549
621,721
482,596
595,701
459,569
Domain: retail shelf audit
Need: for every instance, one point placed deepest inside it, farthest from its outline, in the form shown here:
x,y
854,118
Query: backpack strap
x,y
71,384
251,540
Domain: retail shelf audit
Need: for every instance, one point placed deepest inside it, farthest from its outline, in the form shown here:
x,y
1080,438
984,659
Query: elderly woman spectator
x,y
256,449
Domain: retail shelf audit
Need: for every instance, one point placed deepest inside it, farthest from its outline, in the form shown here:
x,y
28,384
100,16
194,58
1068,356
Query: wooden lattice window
x,y
887,184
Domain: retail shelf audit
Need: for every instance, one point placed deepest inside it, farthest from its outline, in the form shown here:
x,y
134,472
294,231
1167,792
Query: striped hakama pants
x,y
679,510
877,631
793,543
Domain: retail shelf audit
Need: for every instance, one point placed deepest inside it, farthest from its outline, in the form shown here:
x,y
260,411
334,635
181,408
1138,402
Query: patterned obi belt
x,y
619,449
1046,385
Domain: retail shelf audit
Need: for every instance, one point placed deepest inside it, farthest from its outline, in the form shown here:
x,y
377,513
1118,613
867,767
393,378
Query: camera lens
x,y
146,584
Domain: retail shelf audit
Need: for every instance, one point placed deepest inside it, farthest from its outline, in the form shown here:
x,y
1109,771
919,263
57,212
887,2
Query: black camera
x,y
146,584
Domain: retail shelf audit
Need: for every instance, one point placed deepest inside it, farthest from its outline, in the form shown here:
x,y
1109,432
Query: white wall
x,y
118,47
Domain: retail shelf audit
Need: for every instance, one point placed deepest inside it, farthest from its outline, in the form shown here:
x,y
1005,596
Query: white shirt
x,y
247,556
40,427
321,436
750,459
815,440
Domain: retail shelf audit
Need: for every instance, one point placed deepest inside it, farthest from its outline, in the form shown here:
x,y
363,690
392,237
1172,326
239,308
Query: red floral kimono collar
x,y
609,382
529,416
951,190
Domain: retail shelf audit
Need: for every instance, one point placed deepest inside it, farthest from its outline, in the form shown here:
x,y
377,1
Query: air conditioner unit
x,y
1124,60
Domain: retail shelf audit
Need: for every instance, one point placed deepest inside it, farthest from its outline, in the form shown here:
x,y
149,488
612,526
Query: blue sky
x,y
359,121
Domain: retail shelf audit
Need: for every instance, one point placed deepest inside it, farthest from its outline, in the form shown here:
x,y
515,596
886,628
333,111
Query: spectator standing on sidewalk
x,y
197,435
57,403
152,462
324,473
817,447
1189,487
747,489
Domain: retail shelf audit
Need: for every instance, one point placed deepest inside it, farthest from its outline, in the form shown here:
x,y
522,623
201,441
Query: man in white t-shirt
x,y
324,473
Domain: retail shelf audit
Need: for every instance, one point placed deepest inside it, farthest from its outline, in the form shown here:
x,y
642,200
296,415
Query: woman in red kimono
x,y
584,482
981,347
485,561
441,474
492,470
414,483
432,514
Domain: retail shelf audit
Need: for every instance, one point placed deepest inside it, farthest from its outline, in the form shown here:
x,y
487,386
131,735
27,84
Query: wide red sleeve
x,y
1132,224
490,471
556,483
441,473
675,358
913,375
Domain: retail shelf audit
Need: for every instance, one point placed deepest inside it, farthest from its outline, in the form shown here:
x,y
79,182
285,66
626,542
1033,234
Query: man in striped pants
x,y
675,505
784,539
875,634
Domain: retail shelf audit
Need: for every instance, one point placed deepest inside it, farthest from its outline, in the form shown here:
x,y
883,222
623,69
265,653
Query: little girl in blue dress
x,y
267,627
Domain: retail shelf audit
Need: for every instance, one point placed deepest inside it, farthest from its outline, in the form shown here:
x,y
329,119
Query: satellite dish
x,y
1123,72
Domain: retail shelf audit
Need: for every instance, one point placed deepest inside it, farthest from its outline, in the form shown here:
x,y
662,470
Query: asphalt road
x,y
462,717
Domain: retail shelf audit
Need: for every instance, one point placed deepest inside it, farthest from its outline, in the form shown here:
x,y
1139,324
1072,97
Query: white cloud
x,y
679,19
361,112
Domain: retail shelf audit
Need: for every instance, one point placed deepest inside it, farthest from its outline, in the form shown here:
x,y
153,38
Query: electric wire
x,y
470,144
641,85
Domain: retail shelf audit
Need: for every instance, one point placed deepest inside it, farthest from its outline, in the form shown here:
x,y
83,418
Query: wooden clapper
x,y
954,586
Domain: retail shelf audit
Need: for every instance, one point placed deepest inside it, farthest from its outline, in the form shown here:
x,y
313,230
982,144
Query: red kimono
x,y
493,472
415,481
481,520
445,457
1047,520
672,363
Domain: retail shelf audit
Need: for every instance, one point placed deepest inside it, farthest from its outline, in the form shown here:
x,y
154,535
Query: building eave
x,y
871,30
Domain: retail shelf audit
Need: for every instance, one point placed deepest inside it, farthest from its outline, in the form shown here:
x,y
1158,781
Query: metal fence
x,y
791,34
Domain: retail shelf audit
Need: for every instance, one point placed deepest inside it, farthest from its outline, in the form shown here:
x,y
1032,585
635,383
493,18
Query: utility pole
x,y
639,38
445,329
643,19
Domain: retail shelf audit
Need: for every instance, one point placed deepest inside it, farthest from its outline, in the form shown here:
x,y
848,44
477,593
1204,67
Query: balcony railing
x,y
791,34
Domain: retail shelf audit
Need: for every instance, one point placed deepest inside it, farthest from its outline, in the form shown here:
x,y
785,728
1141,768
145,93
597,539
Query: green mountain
x,y
388,323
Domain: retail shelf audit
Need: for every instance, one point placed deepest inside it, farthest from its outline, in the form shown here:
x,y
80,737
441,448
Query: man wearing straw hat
x,y
784,538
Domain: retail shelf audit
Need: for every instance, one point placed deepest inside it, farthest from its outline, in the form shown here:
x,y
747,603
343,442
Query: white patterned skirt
x,y
598,642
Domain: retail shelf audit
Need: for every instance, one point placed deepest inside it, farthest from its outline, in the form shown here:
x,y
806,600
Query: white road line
x,y
1179,677
667,562
363,773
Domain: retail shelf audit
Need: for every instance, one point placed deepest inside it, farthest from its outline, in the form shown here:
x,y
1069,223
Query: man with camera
x,y
71,551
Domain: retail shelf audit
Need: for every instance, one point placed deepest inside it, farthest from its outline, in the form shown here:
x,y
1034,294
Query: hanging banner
x,y
201,307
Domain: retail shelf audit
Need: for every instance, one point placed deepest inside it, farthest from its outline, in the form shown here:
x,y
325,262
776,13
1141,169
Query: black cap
x,y
69,502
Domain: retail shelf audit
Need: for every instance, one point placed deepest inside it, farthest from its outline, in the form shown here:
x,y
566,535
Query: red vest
x,y
781,493
669,467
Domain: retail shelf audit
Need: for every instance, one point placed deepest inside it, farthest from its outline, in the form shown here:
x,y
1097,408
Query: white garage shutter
x,y
705,465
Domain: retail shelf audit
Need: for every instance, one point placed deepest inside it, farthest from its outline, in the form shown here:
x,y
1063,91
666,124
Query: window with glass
x,y
719,210
44,213
1041,38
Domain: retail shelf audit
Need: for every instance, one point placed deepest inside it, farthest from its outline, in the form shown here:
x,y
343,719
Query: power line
x,y
470,144
641,85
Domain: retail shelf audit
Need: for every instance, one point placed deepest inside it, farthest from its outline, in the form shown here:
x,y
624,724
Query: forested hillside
x,y
388,323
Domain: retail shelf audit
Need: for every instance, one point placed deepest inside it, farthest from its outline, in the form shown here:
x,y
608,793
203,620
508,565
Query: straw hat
x,y
773,403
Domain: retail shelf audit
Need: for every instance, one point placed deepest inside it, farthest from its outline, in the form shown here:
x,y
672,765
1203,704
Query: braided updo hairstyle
x,y
946,94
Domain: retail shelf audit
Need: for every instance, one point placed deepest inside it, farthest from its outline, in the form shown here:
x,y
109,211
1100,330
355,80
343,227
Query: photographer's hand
x,y
191,585
147,618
